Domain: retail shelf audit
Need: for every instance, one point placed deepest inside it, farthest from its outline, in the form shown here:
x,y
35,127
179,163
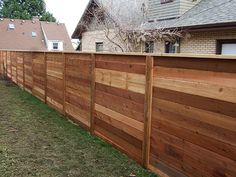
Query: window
x,y
55,45
34,34
226,47
172,47
99,46
149,47
166,1
11,26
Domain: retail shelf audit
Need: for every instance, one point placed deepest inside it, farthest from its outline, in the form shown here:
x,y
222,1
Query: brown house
x,y
33,34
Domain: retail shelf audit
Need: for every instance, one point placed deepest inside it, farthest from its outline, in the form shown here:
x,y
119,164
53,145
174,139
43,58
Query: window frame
x,y
220,42
57,43
166,1
147,47
99,44
167,47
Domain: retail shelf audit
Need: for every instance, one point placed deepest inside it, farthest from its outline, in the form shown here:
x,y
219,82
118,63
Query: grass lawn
x,y
35,140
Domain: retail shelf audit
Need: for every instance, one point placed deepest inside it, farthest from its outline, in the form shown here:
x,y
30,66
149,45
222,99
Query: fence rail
x,y
174,115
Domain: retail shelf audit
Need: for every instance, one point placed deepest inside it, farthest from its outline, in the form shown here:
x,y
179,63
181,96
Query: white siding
x,y
50,45
163,11
186,5
158,11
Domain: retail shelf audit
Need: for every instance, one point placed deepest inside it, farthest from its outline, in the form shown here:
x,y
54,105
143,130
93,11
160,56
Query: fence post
x,y
92,93
10,56
16,58
64,84
23,70
45,80
148,109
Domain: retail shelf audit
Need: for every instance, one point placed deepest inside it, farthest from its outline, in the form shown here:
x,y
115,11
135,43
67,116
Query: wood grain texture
x,y
148,110
123,80
177,118
193,117
78,82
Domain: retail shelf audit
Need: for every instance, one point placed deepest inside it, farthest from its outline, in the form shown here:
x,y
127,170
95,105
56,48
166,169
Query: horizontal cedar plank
x,y
82,92
226,79
115,115
55,82
198,127
58,75
79,81
136,97
53,103
78,102
123,80
213,105
78,74
38,80
120,125
195,113
122,58
128,138
157,167
56,95
55,68
123,102
38,72
79,114
211,144
38,89
121,105
83,67
214,91
75,57
119,143
202,159
171,152
120,66
73,64
54,56
227,66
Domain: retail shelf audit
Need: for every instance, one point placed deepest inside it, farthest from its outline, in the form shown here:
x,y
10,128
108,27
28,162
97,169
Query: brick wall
x,y
199,42
205,42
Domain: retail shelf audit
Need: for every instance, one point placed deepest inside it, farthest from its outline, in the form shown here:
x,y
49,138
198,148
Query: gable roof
x,y
120,11
204,14
57,31
21,37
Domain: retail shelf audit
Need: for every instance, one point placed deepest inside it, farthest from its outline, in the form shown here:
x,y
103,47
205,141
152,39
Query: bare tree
x,y
121,24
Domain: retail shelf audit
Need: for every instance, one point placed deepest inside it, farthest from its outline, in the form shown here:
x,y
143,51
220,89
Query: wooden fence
x,y
174,115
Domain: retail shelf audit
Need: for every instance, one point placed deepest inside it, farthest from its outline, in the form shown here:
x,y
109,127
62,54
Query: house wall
x,y
199,42
50,45
205,42
163,11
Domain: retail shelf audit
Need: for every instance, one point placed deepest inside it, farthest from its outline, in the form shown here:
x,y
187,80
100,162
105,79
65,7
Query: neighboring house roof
x,y
57,32
21,37
121,11
206,13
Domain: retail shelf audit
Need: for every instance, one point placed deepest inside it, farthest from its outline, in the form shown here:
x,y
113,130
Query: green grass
x,y
35,140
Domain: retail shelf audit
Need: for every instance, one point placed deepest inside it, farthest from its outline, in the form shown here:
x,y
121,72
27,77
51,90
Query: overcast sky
x,y
67,11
